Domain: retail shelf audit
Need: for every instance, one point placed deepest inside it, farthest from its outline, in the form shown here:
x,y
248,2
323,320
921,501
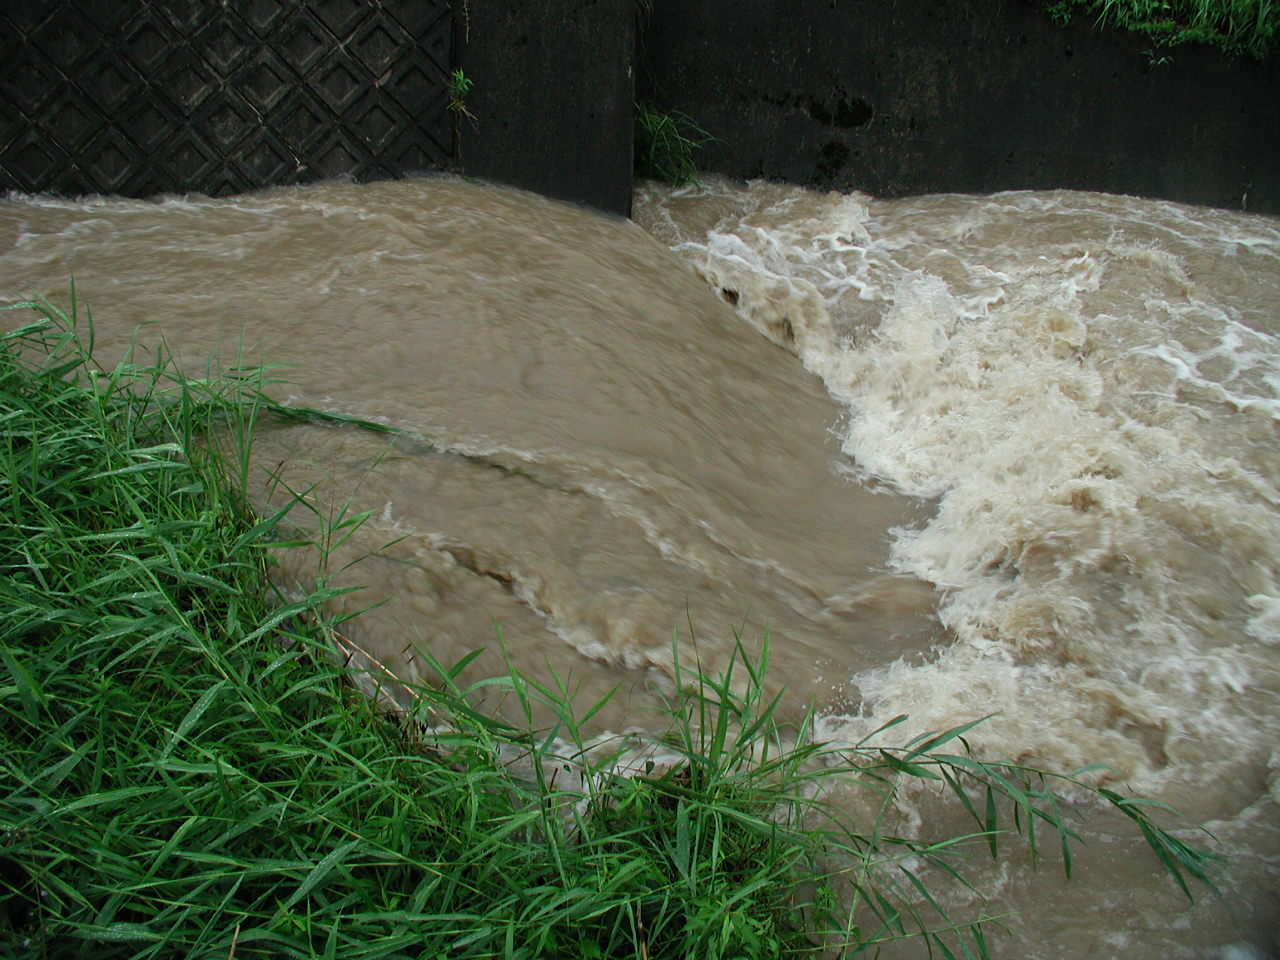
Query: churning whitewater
x,y
955,456
1063,374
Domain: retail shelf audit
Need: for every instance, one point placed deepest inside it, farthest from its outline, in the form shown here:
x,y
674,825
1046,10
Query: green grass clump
x,y
1238,27
666,144
189,772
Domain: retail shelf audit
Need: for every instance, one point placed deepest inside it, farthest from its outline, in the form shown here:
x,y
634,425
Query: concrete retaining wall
x,y
892,97
898,98
553,96
219,96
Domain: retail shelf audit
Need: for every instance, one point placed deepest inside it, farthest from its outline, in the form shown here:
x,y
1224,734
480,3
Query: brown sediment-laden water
x,y
953,455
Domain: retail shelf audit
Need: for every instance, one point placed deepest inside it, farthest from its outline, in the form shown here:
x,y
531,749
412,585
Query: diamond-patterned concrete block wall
x,y
220,96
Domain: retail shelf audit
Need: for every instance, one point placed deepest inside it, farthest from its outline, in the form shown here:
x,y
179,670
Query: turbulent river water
x,y
953,455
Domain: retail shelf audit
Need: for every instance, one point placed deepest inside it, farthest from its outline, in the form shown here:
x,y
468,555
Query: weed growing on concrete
x,y
666,142
459,87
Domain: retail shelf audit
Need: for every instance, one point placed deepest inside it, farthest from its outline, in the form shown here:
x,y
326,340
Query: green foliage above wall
x,y
1239,27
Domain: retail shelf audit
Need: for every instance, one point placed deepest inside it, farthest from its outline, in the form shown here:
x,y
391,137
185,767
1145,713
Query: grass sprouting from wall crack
x,y
189,771
666,145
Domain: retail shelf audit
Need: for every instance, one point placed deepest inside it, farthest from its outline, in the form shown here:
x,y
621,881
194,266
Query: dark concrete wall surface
x,y
553,96
219,96
898,97
892,97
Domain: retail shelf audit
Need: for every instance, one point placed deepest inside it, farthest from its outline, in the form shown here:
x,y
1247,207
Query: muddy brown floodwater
x,y
954,456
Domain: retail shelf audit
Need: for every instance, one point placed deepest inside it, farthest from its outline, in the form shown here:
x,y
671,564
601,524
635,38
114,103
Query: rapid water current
x,y
953,455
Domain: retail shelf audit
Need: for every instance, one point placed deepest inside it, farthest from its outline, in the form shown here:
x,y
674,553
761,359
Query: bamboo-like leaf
x,y
942,946
933,741
50,777
889,724
193,717
321,870
30,692
992,823
911,769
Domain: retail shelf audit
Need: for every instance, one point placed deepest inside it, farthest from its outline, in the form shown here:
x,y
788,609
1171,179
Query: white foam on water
x,y
1088,388
1265,624
1083,385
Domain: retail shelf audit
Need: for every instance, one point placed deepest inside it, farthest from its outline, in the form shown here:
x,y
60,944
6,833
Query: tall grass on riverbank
x,y
188,771
1238,27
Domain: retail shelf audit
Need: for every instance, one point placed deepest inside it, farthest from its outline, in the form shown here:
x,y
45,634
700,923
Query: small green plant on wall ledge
x,y
665,144
1238,27
459,86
